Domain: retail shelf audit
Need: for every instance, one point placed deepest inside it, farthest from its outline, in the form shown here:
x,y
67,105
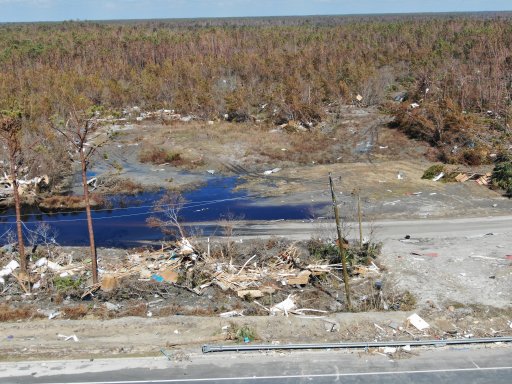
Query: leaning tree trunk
x,y
17,206
89,218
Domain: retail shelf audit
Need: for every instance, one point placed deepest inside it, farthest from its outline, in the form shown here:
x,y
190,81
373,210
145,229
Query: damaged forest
x,y
165,170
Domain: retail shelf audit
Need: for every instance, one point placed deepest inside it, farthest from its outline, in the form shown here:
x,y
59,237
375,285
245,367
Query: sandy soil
x,y
138,336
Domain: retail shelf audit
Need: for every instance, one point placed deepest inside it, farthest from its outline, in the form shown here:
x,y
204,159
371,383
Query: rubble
x,y
25,186
285,306
184,266
479,178
438,177
271,171
8,270
416,321
66,338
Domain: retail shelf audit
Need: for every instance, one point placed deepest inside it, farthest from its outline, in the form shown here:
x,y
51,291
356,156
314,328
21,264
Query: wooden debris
x,y
484,180
169,275
301,279
109,283
252,293
461,177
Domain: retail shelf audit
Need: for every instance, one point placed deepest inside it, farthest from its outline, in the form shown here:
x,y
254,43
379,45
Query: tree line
x,y
295,70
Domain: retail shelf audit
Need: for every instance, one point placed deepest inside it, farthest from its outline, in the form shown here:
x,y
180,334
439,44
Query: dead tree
x,y
10,134
168,207
79,130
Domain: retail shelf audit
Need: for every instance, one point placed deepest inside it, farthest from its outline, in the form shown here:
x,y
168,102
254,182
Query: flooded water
x,y
124,224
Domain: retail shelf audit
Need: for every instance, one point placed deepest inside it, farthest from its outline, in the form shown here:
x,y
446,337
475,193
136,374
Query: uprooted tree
x,y
79,130
10,134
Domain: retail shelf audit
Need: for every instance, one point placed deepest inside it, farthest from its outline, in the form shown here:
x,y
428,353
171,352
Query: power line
x,y
184,205
192,205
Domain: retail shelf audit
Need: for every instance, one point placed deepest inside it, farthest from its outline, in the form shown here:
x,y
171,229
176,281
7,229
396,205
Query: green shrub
x,y
243,333
355,254
433,171
322,250
363,255
502,174
65,284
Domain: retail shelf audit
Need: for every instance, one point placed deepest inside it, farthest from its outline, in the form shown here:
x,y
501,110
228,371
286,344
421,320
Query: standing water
x,y
125,225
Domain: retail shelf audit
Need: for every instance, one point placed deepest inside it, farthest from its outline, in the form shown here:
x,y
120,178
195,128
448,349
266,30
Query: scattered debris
x,y
301,279
438,177
484,179
66,338
271,171
252,293
461,177
166,354
231,314
112,307
169,275
284,306
416,321
109,283
429,254
32,186
388,350
8,270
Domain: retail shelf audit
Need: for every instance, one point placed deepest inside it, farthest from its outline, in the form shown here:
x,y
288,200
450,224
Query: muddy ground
x,y
357,147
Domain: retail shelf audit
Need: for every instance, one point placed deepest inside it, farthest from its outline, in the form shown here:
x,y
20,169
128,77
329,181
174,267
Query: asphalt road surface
x,y
382,230
461,365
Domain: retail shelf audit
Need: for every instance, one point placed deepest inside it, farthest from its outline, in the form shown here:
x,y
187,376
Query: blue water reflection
x,y
125,224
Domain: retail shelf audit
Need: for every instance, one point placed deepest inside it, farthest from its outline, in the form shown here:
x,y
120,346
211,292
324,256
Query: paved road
x,y
463,365
296,230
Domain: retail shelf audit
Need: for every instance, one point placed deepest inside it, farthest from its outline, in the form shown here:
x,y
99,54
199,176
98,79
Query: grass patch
x,y
55,203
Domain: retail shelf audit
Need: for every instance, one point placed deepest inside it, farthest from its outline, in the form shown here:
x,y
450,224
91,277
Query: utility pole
x,y
360,219
340,244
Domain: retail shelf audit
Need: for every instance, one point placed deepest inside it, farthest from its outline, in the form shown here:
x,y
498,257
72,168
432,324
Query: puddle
x,y
125,224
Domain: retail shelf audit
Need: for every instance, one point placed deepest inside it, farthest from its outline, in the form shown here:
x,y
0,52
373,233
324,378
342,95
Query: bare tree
x,y
10,134
79,130
168,207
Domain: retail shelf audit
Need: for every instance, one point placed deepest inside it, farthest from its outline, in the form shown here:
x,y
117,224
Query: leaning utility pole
x,y
340,244
360,218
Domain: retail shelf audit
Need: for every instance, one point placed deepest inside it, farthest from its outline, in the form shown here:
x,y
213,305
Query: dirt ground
x,y
133,336
460,284
357,147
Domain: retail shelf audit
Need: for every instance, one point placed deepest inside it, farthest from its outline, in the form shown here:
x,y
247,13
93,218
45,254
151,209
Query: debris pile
x,y
283,271
479,178
25,186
